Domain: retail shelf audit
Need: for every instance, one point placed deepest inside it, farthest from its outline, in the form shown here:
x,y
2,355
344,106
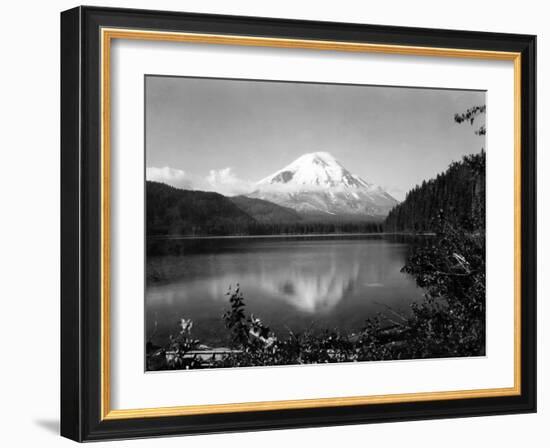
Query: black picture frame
x,y
81,415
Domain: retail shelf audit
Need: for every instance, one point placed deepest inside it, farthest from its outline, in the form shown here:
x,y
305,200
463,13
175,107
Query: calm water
x,y
290,283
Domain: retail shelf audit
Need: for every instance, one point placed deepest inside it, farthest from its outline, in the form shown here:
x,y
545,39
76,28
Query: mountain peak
x,y
313,171
317,182
319,156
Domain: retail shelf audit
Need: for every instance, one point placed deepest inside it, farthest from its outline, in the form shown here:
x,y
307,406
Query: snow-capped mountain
x,y
317,183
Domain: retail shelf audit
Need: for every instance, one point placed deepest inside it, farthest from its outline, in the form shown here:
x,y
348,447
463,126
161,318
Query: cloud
x,y
226,182
171,176
223,181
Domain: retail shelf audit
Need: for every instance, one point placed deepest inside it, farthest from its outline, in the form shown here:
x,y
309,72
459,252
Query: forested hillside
x,y
171,211
265,212
458,194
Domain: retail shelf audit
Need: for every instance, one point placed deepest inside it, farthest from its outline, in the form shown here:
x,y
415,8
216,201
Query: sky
x,y
224,135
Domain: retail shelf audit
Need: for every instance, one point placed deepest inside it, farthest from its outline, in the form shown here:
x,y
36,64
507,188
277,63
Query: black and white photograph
x,y
275,224
306,223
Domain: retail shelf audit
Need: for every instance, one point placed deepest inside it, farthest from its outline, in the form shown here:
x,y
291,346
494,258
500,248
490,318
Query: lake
x,y
291,283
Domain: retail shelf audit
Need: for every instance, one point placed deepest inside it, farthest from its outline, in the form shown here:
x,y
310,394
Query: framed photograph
x,y
272,224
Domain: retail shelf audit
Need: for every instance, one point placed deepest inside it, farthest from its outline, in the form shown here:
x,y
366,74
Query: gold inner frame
x,y
107,35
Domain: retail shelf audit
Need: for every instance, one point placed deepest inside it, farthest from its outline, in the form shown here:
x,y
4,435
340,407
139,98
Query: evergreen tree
x,y
458,193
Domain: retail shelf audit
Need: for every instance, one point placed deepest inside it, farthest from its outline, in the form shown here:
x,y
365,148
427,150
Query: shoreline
x,y
286,235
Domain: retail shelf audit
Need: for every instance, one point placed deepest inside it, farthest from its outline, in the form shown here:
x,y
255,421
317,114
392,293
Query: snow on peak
x,y
320,157
317,183
316,170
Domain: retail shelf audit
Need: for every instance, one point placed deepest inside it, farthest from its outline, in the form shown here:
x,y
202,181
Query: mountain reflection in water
x,y
290,283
